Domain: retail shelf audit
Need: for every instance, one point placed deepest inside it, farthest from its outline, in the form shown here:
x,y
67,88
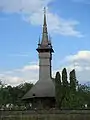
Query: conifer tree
x,y
58,89
64,78
65,88
73,80
73,95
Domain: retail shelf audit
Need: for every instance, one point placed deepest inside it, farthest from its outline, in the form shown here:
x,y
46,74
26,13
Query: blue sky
x,y
21,25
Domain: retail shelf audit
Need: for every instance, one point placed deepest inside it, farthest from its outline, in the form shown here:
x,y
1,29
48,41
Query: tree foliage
x,y
64,78
58,89
68,96
73,80
13,95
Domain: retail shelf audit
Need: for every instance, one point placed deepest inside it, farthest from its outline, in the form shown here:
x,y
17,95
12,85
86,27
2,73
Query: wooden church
x,y
42,94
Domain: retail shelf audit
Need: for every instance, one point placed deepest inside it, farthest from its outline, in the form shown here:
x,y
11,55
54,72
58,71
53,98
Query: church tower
x,y
45,53
43,92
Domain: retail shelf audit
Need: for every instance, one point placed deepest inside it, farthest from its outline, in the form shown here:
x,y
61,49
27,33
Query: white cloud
x,y
80,56
62,26
81,62
23,6
33,13
28,73
30,67
13,80
56,24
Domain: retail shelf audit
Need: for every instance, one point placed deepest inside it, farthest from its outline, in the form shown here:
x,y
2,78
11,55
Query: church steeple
x,y
44,88
44,41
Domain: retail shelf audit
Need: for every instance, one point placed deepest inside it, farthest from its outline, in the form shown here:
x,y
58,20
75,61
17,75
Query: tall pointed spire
x,y
45,33
45,42
45,24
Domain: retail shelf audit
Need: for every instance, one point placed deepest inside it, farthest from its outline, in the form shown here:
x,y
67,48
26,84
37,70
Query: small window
x,y
33,94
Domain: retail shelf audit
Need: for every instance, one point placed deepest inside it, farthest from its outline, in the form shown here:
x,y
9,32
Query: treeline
x,y
13,95
69,93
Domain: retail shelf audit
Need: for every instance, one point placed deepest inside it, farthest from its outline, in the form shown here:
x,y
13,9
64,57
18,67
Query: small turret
x,y
49,42
39,42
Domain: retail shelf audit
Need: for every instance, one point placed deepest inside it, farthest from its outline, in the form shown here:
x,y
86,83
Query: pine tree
x,y
64,78
58,89
73,80
73,95
65,90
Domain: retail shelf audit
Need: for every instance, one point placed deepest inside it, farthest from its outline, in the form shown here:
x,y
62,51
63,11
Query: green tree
x,y
58,89
84,93
65,89
75,96
66,94
13,95
64,78
73,80
1,84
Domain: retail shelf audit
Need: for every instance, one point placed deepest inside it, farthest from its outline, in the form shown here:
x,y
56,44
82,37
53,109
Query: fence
x,y
46,115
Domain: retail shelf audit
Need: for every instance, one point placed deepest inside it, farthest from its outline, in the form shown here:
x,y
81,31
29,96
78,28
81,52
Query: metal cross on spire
x,y
44,10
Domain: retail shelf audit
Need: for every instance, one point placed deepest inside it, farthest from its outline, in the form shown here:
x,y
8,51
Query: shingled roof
x,y
41,89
